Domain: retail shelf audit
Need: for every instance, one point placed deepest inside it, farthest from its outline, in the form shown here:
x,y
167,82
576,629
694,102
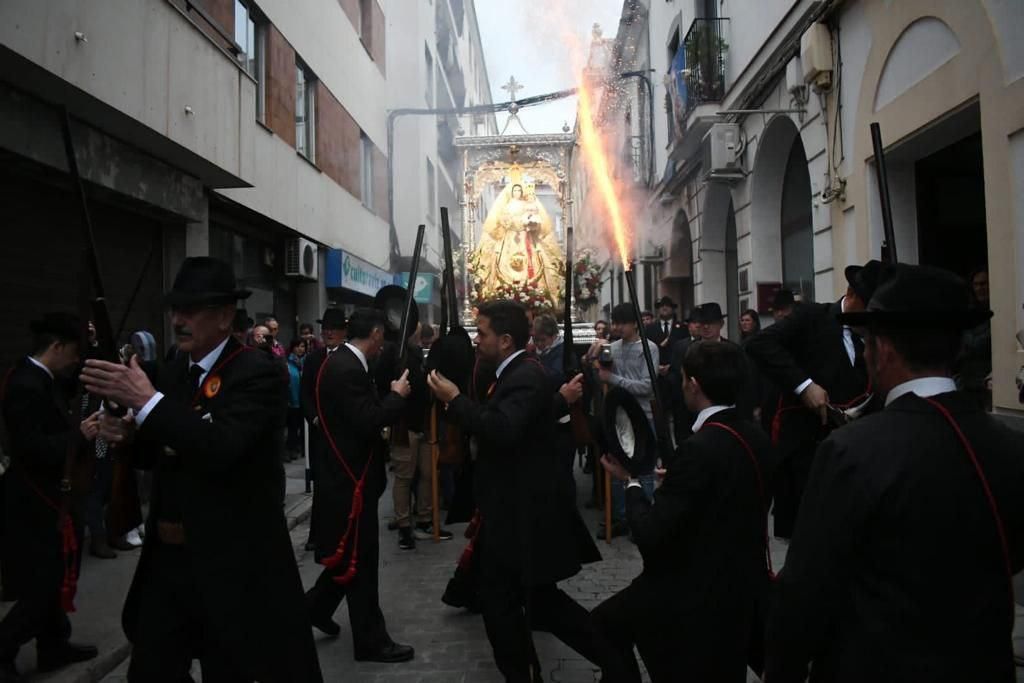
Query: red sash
x,y
760,488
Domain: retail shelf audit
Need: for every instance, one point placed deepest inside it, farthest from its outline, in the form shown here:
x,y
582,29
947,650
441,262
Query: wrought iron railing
x,y
704,62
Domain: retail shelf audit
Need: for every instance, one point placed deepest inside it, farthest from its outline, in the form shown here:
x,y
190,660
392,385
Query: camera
x,y
604,356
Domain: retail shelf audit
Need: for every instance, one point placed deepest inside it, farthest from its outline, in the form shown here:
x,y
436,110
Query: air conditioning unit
x,y
720,152
816,56
300,259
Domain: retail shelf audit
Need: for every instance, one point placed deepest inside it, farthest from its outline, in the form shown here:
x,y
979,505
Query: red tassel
x,y
69,586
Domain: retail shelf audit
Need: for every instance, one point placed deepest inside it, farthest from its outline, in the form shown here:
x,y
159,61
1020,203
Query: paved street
x,y
451,646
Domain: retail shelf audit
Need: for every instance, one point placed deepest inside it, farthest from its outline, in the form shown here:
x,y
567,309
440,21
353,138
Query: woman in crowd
x,y
296,356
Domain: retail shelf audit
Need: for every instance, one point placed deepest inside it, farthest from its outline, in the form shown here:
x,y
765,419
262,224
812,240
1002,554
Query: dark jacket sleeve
x,y
353,394
818,565
684,485
501,421
771,348
38,447
238,429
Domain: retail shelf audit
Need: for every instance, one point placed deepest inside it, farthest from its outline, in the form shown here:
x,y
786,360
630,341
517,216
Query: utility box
x,y
816,56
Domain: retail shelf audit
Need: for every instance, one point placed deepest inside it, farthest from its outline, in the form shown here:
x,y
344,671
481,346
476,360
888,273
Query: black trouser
x,y
37,613
510,612
369,631
295,425
171,628
625,620
98,498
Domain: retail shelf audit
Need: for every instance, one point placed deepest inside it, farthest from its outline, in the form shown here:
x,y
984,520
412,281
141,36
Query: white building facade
x,y
765,164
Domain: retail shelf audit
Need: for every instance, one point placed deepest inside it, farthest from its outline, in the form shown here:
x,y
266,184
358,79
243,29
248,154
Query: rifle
x,y
410,301
660,419
889,233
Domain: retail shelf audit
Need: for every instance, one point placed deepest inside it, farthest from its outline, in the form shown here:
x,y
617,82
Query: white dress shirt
x,y
40,365
360,355
704,415
206,363
923,387
504,363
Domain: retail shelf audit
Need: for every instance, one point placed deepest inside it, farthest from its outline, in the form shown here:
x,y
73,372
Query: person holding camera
x,y
622,364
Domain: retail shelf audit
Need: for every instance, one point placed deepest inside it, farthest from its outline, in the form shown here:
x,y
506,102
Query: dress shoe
x,y
64,654
392,653
326,625
406,540
425,532
102,550
121,544
9,672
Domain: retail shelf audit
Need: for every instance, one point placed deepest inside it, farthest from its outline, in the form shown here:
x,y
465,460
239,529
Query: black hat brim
x,y
391,300
645,450
173,298
920,319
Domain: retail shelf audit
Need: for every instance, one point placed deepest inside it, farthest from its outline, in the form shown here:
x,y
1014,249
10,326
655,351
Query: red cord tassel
x,y
69,586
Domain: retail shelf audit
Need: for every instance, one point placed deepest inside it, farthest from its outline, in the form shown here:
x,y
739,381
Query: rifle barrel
x,y
889,233
410,294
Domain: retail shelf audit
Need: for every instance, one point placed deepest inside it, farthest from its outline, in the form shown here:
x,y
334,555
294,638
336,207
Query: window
x,y
250,37
431,197
429,61
305,107
366,170
366,21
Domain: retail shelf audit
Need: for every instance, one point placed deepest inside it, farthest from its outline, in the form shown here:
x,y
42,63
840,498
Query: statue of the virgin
x,y
518,245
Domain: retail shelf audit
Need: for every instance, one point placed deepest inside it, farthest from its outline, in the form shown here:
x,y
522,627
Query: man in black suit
x,y
912,523
352,478
691,612
531,526
666,331
332,332
217,576
815,362
41,428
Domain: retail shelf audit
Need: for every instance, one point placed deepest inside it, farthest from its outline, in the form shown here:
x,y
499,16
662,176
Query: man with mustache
x,y
217,578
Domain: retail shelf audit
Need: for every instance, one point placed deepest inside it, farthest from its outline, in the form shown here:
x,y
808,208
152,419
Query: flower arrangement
x,y
528,294
587,272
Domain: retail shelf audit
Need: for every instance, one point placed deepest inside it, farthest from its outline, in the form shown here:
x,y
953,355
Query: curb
x,y
296,513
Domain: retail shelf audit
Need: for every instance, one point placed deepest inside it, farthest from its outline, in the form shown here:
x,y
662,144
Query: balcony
x,y
697,83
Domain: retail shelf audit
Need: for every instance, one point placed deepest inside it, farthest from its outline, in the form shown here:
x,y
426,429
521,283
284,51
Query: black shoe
x,y
618,529
425,532
406,541
9,672
102,550
326,625
392,653
64,654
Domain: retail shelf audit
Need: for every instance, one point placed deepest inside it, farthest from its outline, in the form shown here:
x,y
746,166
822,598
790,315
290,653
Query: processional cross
x,y
513,86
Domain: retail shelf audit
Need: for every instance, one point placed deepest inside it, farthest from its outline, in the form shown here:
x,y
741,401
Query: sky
x,y
529,40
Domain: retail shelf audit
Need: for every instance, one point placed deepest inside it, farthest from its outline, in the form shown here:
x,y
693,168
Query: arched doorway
x,y
782,227
677,281
718,255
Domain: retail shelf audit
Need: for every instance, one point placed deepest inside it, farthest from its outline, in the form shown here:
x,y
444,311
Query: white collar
x,y
923,387
40,365
206,363
360,355
504,363
704,415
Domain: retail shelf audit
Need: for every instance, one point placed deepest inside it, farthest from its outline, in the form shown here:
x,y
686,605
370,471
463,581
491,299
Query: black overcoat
x,y
355,416
895,571
36,414
520,491
237,538
703,546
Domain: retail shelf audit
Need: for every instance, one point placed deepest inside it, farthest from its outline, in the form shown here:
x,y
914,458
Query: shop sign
x,y
353,273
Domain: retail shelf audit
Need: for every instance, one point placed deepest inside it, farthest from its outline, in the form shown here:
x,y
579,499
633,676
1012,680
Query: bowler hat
x,y
66,327
334,319
783,299
919,297
391,300
865,279
665,301
710,312
628,433
204,280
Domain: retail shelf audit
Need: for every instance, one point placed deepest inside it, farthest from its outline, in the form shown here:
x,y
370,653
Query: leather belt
x,y
170,533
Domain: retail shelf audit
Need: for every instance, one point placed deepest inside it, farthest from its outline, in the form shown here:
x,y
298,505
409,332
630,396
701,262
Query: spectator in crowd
x,y
750,324
308,336
296,356
601,329
974,365
647,318
548,343
276,347
261,338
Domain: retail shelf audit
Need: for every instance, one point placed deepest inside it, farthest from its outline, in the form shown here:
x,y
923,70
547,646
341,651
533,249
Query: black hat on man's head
x,y
783,299
628,433
710,312
67,327
919,297
865,279
666,301
334,319
204,280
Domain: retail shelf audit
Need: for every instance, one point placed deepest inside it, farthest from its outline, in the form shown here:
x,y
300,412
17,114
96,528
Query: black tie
x,y
194,373
666,328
